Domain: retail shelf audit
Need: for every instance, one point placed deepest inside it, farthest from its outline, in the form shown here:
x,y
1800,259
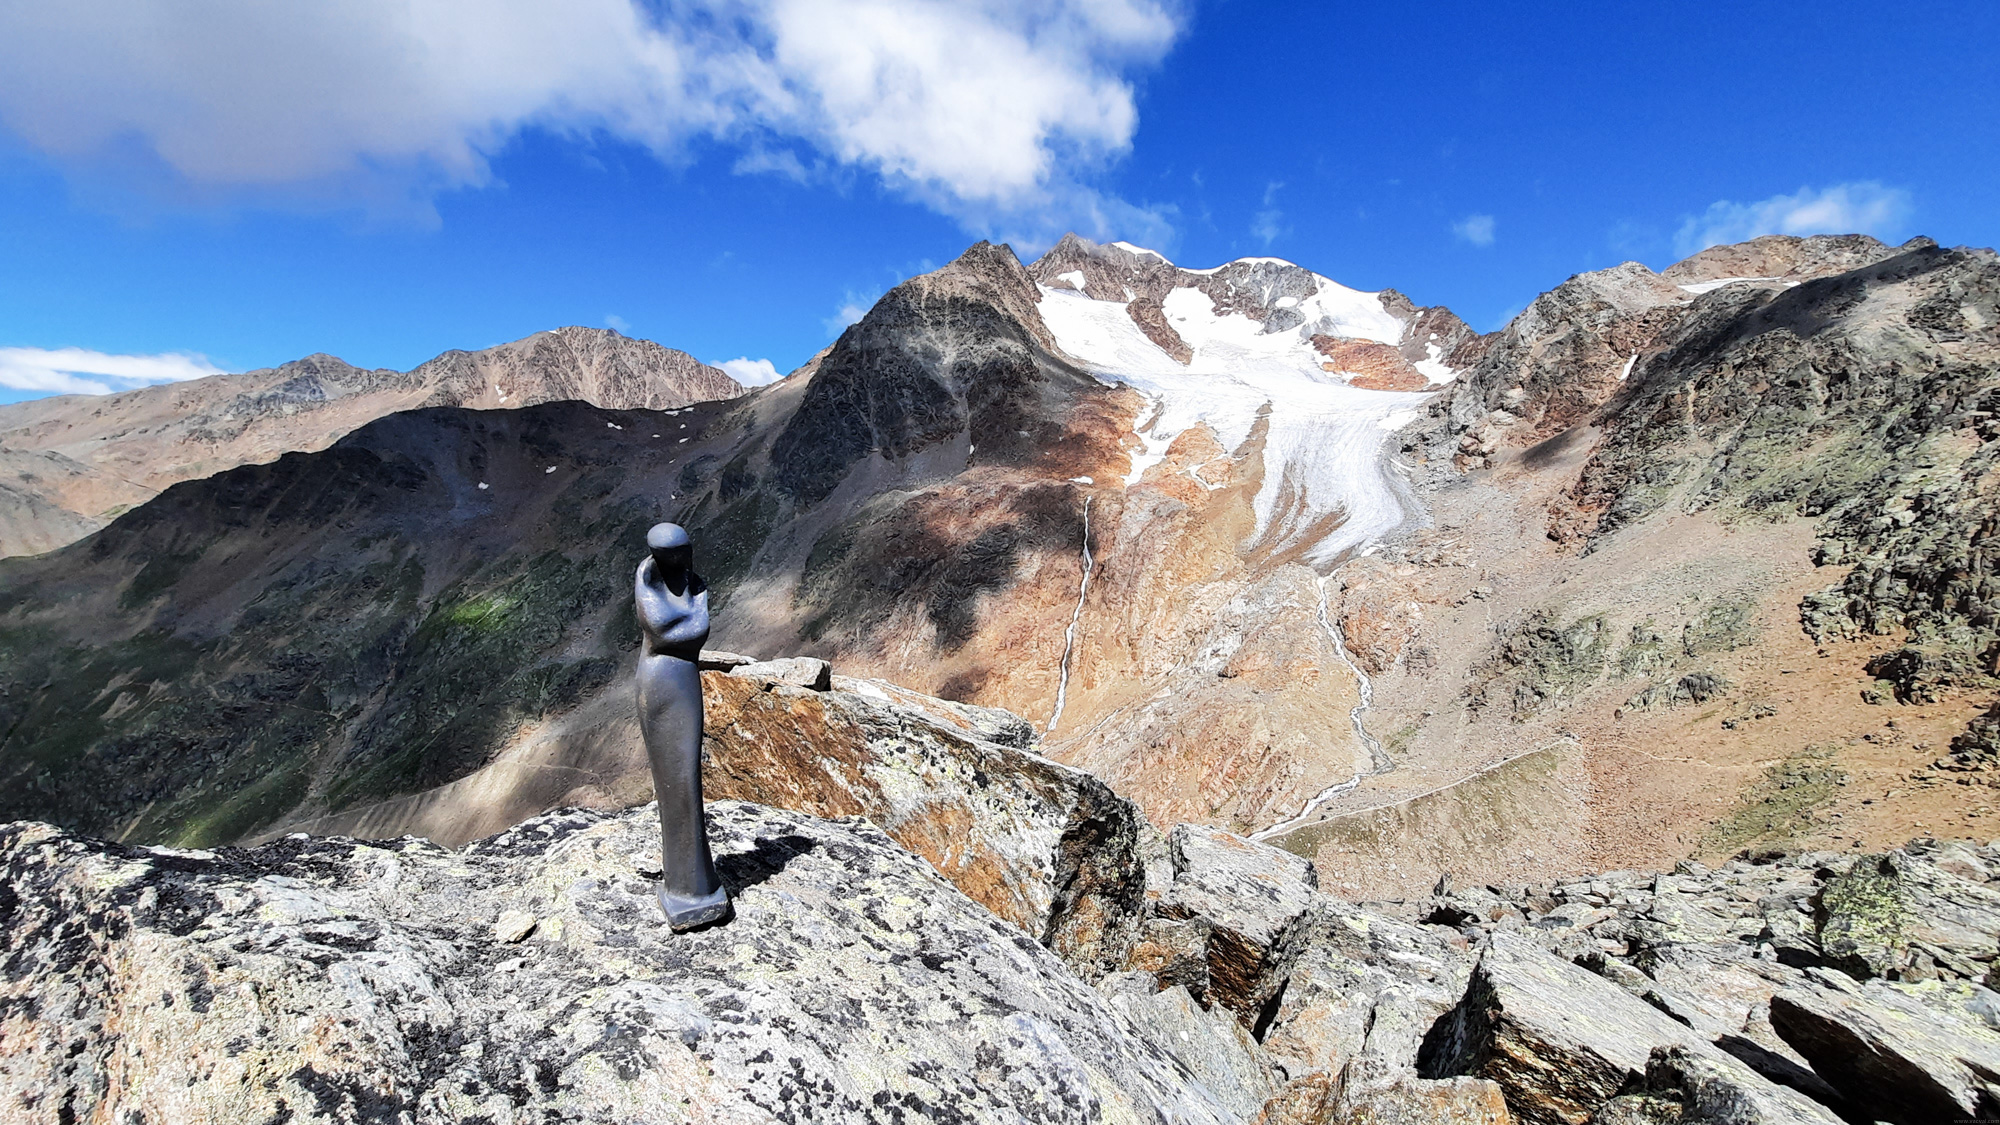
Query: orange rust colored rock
x,y
1370,365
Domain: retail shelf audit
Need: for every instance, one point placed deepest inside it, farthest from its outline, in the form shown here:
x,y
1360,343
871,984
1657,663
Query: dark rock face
x,y
959,350
1894,1057
373,619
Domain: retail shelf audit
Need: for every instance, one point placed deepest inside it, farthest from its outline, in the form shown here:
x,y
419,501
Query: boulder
x,y
1682,1087
317,979
1248,893
1210,1043
1360,991
1046,847
1562,1041
1893,1056
1418,1101
1864,916
799,671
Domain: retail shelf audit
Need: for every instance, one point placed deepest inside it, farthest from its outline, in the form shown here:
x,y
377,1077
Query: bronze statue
x,y
672,604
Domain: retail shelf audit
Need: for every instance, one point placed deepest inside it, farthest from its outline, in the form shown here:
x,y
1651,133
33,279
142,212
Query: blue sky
x,y
219,186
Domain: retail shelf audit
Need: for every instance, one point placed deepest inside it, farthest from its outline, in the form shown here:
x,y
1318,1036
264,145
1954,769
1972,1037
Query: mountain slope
x,y
1543,612
70,464
1710,566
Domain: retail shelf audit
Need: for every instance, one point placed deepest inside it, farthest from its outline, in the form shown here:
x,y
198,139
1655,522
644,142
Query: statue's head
x,y
671,547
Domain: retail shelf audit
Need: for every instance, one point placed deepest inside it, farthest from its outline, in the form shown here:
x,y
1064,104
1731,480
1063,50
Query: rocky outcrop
x,y
873,973
958,351
594,365
1893,1056
71,464
1561,1042
329,980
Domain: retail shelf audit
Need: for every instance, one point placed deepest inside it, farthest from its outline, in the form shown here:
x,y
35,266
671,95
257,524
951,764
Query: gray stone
x,y
321,979
1249,893
1360,991
799,671
717,660
1894,1057
1209,1042
513,926
1561,1041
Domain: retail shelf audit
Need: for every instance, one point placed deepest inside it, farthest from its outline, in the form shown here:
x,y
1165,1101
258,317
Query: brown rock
x,y
1369,365
1151,317
1417,1101
1249,893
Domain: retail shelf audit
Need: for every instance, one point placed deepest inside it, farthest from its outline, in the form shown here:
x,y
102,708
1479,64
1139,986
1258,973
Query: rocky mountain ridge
x,y
1725,524
71,463
528,977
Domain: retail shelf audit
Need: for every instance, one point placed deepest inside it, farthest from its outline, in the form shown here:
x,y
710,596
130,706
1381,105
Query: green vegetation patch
x,y
1779,805
1724,626
1547,663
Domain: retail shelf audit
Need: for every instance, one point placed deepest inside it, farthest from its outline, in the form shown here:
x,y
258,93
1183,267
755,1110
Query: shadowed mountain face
x,y
1260,551
70,464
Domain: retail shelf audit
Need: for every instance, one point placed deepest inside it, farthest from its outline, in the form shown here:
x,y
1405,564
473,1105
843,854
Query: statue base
x,y
687,913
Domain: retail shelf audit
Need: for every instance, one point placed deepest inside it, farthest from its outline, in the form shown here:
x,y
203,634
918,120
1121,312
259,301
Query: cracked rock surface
x,y
318,979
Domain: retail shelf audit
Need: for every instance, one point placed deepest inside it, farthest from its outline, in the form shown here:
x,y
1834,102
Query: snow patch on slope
x,y
1699,287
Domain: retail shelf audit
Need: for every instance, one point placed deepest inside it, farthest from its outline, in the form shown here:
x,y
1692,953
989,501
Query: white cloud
x,y
1864,207
751,372
987,110
1476,229
1268,223
617,324
852,308
70,370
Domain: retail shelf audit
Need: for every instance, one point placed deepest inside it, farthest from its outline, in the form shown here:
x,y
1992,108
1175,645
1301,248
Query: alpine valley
x,y
1130,600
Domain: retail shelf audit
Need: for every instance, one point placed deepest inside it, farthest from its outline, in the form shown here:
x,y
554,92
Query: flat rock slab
x,y
322,979
1562,1041
799,671
1892,1056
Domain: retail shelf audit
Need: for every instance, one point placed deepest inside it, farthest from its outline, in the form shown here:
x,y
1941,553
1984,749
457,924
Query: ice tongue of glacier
x,y
1328,490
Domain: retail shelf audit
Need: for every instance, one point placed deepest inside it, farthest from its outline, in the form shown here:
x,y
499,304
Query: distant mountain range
x,y
70,464
1674,563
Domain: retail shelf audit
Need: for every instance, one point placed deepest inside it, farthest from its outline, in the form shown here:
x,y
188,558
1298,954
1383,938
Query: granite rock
x,y
318,979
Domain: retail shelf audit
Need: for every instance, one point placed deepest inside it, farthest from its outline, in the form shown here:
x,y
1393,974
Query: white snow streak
x,y
1699,287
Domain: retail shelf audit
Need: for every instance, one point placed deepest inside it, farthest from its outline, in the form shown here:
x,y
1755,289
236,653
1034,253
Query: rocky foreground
x,y
1190,976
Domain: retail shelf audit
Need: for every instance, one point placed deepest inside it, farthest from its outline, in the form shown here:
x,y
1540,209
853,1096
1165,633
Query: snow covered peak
x,y
1326,367
1141,250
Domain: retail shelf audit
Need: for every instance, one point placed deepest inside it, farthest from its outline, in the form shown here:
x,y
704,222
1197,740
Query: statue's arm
x,y
657,614
668,622
691,626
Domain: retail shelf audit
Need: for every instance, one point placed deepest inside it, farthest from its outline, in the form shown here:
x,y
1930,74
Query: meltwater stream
x,y
1378,761
1069,634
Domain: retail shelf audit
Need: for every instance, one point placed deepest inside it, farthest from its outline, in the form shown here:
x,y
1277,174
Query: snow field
x,y
1324,447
